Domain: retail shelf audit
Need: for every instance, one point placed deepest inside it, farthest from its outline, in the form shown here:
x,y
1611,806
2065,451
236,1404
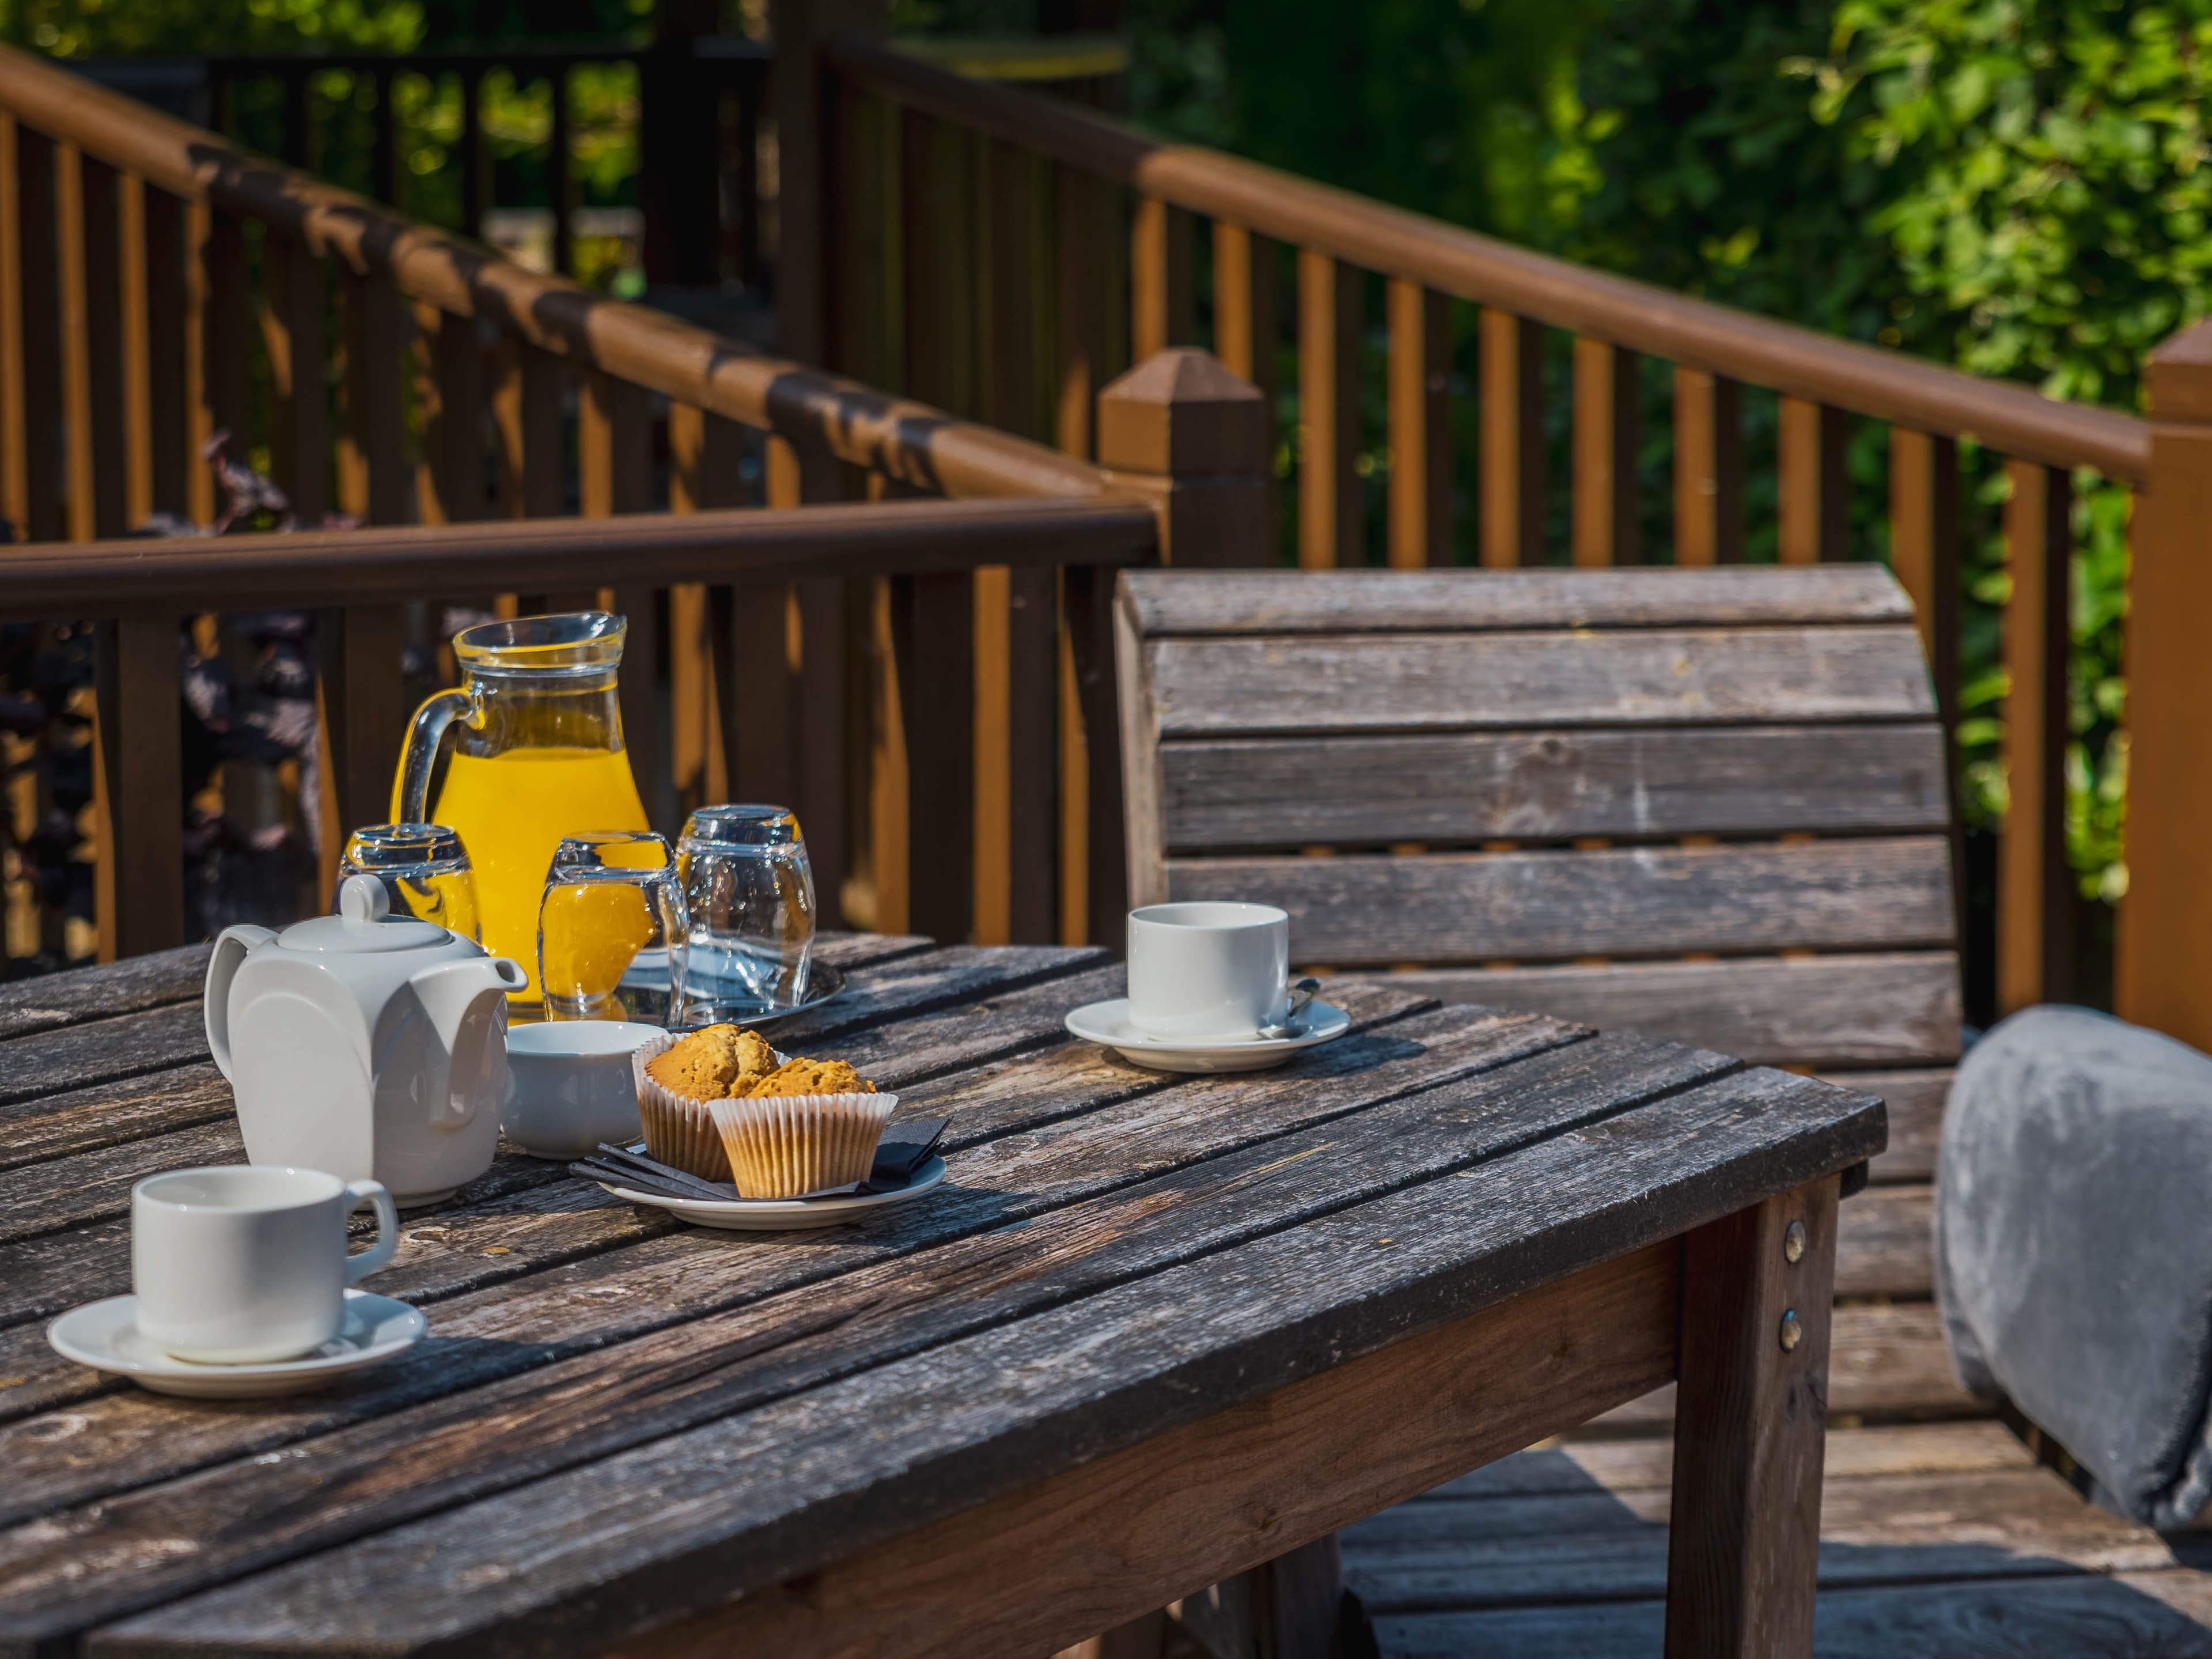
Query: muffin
x,y
676,1075
714,1061
719,1102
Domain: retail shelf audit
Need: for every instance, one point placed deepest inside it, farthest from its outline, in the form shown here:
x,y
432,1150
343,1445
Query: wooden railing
x,y
1058,214
158,285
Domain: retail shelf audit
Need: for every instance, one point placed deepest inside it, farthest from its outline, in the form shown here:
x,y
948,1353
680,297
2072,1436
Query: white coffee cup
x,y
569,1086
1205,970
241,1263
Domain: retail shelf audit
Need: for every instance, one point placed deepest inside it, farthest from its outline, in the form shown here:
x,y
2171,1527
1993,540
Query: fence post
x,y
2163,967
1182,431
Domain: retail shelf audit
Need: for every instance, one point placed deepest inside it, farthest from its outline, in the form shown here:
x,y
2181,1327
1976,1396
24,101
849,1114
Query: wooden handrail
x,y
144,576
909,442
1885,385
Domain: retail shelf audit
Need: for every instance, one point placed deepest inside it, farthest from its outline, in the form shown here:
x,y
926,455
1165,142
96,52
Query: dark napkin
x,y
904,1148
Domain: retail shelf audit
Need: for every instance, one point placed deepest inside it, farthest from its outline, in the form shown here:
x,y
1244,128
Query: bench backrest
x,y
1706,804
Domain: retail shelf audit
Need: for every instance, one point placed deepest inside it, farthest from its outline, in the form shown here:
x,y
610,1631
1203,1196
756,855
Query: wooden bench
x,y
1706,804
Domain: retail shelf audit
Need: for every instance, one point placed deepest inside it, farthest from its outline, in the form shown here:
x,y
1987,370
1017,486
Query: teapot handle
x,y
426,732
229,952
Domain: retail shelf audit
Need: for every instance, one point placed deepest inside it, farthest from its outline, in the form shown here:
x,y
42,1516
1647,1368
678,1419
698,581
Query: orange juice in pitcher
x,y
537,755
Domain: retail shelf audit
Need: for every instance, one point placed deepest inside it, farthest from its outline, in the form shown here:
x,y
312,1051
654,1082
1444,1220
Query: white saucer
x,y
1108,1023
784,1215
105,1336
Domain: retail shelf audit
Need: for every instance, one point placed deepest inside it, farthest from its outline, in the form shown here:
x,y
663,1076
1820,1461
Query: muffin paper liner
x,y
790,1145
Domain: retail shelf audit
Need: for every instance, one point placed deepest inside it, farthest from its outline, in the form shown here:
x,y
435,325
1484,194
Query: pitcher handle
x,y
426,732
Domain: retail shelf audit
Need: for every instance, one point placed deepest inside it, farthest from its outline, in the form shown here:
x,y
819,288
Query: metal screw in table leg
x,y
1793,1330
1793,1242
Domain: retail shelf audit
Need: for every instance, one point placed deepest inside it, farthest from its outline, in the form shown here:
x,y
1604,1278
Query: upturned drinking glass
x,y
424,869
612,931
750,893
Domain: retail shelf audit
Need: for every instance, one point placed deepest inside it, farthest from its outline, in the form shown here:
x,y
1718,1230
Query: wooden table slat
x,y
54,1000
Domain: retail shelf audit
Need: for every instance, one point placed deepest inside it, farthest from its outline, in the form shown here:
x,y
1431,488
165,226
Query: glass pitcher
x,y
537,755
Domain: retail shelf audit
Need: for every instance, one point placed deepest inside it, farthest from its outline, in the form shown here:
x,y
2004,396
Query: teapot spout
x,y
466,1002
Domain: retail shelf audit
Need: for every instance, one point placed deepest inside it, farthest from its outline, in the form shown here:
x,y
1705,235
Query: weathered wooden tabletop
x,y
1153,1330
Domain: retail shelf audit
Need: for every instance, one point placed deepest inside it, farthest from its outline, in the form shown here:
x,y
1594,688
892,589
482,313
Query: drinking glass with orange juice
x,y
612,931
537,754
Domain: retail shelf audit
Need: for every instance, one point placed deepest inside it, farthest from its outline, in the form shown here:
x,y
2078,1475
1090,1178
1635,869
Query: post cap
x,y
1181,412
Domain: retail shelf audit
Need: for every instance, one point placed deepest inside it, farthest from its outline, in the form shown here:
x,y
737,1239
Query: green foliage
x,y
2045,201
2016,186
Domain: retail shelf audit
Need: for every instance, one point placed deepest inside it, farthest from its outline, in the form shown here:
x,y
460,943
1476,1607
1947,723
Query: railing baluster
x,y
1708,469
527,419
1162,302
373,478
14,458
938,264
1148,278
135,364
826,628
1247,333
1815,503
1086,306
296,303
866,231
138,806
614,446
1420,427
79,446
1018,611
106,370
1083,350
1088,592
704,454
37,161
215,345
1513,460
364,702
2035,899
1924,554
450,392
933,636
1608,435
1924,549
1331,319
934,616
167,410
2162,955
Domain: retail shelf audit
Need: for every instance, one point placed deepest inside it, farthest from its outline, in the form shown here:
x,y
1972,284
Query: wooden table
x,y
1153,1332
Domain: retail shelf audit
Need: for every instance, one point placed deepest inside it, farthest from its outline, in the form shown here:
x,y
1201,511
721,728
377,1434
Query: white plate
x,y
784,1215
105,1336
1108,1023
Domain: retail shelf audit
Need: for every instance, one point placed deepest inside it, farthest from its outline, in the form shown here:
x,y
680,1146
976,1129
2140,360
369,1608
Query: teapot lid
x,y
364,922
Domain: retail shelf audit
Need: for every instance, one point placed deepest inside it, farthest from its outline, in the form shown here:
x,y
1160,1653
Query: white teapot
x,y
370,1046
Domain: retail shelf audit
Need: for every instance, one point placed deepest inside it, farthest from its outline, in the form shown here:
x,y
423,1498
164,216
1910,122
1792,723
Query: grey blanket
x,y
2074,1247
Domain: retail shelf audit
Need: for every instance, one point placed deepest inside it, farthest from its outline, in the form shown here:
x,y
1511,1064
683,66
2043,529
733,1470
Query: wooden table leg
x,y
1291,1607
1750,1417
